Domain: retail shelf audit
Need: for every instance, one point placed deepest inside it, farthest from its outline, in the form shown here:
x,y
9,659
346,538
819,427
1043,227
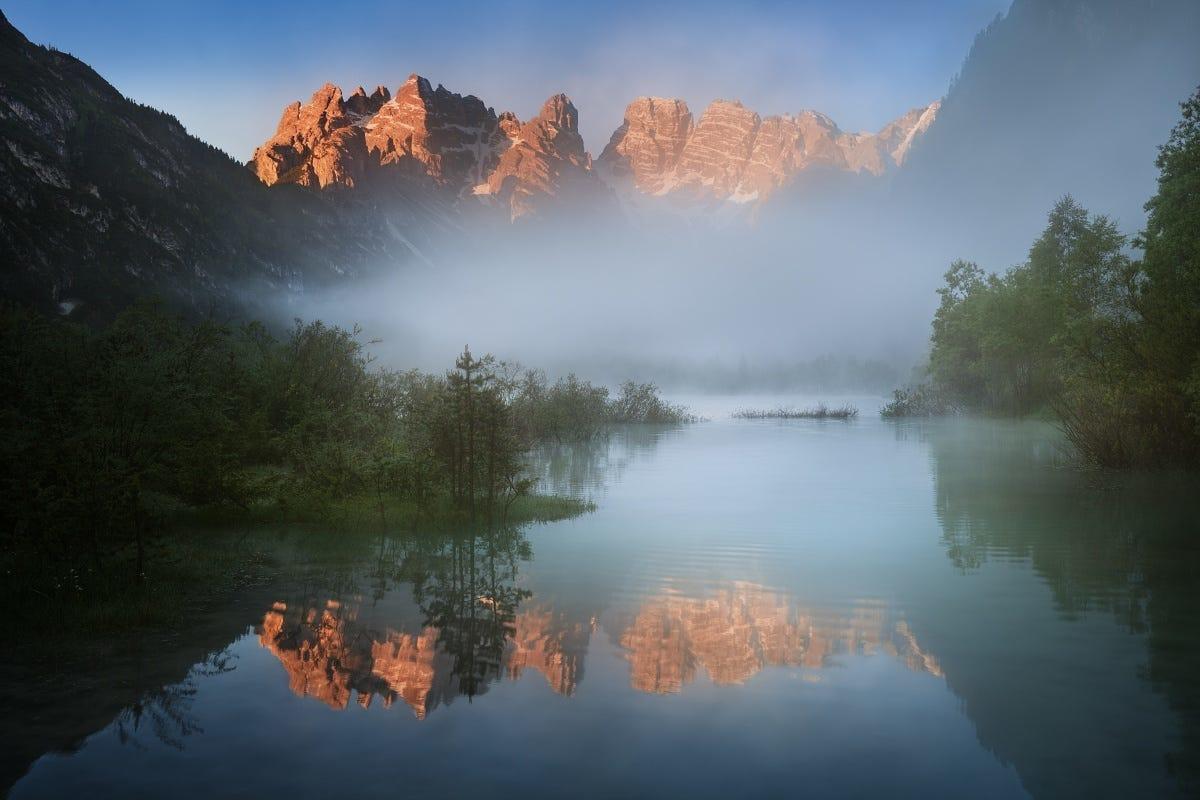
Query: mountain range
x,y
461,148
103,200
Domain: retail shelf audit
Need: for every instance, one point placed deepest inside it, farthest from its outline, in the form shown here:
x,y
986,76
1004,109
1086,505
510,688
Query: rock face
x,y
717,152
734,154
456,143
648,144
317,143
437,138
546,163
453,140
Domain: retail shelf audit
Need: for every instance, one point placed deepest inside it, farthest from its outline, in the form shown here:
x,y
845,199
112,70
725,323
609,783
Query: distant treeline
x,y
828,373
107,434
1107,343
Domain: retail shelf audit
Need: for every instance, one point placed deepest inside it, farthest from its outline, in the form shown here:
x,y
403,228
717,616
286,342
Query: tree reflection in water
x,y
167,711
1118,544
448,640
584,468
468,593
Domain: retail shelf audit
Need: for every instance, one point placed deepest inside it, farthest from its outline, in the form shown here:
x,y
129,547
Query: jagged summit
x,y
458,144
546,164
362,104
732,153
331,141
450,142
560,111
648,144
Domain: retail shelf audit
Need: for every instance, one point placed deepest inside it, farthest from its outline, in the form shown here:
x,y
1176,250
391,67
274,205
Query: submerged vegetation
x,y
112,437
1108,344
819,411
571,409
921,400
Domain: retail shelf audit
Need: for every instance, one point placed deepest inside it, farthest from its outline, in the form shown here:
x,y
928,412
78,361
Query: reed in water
x,y
820,411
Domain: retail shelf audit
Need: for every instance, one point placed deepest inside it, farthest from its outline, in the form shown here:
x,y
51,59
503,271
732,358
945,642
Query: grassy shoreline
x,y
207,556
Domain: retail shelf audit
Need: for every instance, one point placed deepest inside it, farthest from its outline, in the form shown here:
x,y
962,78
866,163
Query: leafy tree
x,y
1109,344
1170,298
107,433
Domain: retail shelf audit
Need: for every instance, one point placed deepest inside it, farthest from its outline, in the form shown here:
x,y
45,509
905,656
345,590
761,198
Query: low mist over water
x,y
686,399
855,593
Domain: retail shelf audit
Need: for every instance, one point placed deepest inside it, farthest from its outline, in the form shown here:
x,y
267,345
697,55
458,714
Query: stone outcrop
x,y
716,154
315,144
547,163
438,138
647,146
734,154
445,136
131,205
458,144
421,132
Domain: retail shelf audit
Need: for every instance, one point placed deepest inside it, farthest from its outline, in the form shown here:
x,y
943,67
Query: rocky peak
x,y
458,144
908,129
420,132
555,131
445,136
734,154
559,112
325,112
314,144
648,144
715,155
546,161
362,104
509,124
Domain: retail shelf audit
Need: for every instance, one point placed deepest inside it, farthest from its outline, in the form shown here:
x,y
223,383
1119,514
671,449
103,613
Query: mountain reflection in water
x,y
332,655
950,602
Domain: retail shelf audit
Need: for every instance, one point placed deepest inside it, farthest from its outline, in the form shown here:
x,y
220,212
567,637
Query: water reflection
x,y
734,633
331,655
1120,547
586,468
447,631
1000,621
472,631
166,712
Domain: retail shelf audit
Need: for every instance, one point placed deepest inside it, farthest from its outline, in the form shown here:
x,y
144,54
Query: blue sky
x,y
226,69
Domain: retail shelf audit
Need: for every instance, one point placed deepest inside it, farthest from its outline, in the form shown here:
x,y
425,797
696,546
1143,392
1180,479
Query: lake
x,y
942,608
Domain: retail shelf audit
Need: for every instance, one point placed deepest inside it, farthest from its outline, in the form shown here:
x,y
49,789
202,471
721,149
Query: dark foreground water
x,y
941,609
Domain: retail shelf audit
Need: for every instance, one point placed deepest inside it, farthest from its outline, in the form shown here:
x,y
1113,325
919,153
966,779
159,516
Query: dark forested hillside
x,y
1056,96
102,199
1110,344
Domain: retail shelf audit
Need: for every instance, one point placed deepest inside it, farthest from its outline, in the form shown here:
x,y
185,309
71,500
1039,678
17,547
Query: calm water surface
x,y
943,609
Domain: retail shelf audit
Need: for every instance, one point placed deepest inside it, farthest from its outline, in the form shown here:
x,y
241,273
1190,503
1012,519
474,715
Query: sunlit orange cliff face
x,y
732,634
